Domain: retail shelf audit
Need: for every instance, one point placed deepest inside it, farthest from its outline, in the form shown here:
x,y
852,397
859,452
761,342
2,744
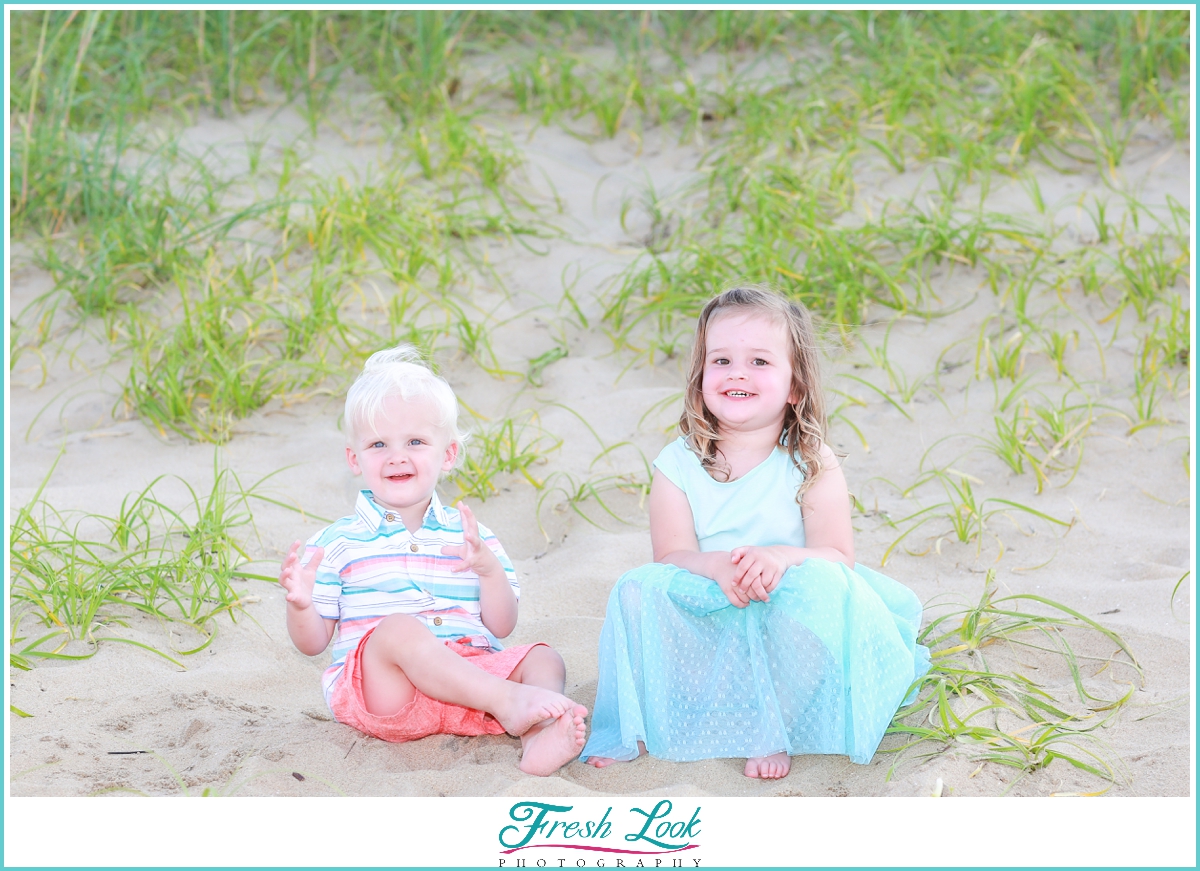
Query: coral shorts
x,y
422,716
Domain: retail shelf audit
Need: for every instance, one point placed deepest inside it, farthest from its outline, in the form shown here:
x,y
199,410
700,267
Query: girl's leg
x,y
402,654
550,744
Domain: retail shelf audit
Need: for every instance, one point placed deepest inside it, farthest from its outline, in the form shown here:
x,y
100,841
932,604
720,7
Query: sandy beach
x,y
1110,535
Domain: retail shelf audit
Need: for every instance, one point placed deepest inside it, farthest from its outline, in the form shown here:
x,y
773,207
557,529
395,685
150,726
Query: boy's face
x,y
402,456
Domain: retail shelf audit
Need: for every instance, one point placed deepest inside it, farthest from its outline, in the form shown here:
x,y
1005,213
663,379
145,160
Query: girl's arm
x,y
827,531
673,539
826,512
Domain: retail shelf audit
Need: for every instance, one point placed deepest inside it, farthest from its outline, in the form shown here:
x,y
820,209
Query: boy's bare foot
x,y
604,761
771,767
527,705
549,746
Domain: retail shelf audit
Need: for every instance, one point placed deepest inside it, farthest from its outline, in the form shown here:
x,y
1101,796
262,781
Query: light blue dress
x,y
821,668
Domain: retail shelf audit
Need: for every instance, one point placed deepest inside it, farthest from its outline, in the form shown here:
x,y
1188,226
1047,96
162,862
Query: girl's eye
x,y
759,361
414,441
721,361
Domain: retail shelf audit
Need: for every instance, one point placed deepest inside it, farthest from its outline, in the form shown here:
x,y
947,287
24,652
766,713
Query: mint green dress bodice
x,y
758,508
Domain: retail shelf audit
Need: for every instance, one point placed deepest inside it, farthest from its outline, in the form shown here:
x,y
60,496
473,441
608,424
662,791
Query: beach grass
x,y
80,579
223,284
999,716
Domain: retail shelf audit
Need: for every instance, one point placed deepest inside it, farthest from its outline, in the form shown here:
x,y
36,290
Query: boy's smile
x,y
402,456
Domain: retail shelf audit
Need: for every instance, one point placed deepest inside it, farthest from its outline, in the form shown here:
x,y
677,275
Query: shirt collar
x,y
374,515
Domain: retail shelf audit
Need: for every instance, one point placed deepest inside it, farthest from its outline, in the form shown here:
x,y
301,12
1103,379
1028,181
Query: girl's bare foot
x,y
771,767
550,745
604,761
527,705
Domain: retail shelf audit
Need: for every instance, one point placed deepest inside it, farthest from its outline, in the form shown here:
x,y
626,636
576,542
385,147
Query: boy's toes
x,y
553,745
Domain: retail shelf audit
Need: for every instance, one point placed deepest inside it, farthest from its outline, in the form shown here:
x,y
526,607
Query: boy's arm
x,y
497,601
309,631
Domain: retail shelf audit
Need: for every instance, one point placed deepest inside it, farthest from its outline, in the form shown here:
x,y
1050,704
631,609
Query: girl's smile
x,y
747,382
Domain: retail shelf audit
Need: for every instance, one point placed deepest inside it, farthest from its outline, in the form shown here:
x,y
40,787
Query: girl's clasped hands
x,y
757,571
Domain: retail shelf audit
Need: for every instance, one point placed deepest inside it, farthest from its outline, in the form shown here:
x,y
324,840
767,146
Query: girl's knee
x,y
634,586
629,595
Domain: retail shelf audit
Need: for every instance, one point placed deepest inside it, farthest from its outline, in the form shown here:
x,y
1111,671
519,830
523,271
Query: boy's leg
x,y
401,654
542,667
549,745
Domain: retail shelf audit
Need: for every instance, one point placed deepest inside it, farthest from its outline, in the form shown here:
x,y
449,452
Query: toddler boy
x,y
415,595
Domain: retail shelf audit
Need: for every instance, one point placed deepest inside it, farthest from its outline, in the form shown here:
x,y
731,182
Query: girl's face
x,y
747,382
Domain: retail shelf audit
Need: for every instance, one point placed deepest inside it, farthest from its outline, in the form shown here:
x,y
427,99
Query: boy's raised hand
x,y
298,578
474,555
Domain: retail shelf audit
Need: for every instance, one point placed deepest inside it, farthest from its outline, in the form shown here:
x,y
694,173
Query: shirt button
x,y
413,547
437,621
390,518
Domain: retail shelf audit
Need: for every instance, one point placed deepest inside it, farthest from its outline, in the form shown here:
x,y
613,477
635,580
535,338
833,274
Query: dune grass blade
x,y
510,446
1002,717
78,574
967,514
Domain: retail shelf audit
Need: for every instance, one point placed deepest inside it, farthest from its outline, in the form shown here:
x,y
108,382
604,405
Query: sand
x,y
247,717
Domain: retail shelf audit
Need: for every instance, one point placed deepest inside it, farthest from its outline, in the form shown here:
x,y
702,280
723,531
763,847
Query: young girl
x,y
754,633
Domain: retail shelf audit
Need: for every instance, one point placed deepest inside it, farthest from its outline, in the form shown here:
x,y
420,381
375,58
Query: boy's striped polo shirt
x,y
374,567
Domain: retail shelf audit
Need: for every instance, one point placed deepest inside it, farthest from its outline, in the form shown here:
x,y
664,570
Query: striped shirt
x,y
374,567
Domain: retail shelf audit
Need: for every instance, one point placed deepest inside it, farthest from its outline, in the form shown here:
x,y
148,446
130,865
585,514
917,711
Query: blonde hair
x,y
804,421
400,371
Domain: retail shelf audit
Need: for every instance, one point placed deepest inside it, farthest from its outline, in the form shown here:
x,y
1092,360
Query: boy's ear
x,y
451,456
352,461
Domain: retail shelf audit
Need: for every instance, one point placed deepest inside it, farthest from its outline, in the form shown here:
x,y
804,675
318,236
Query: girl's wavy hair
x,y
400,371
804,422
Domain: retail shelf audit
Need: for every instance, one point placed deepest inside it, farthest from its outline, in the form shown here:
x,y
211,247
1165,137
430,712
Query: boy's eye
x,y
414,442
377,444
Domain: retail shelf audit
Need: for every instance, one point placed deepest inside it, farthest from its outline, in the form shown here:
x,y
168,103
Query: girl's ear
x,y
352,461
451,456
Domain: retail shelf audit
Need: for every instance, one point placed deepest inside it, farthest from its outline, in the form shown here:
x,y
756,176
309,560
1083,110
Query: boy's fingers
x,y
469,527
462,552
